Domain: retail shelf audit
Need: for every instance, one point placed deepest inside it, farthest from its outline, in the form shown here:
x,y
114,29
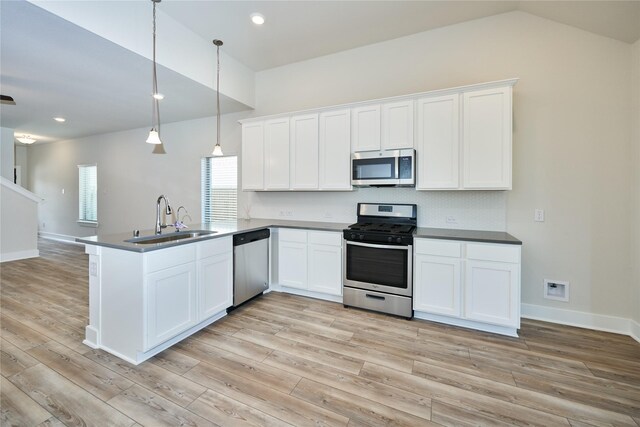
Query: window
x,y
88,194
219,181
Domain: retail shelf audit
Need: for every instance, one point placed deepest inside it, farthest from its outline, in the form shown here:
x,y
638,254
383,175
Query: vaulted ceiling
x,y
53,67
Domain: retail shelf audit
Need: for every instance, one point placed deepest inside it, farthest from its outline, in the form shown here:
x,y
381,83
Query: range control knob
x,y
389,239
353,235
361,236
399,240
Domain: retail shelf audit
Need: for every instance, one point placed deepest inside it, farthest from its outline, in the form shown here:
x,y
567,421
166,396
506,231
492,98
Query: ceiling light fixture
x,y
217,150
26,139
60,119
257,18
154,133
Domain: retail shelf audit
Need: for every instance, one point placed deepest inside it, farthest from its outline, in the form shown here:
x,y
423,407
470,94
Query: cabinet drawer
x,y
489,252
325,238
291,235
214,247
170,257
438,247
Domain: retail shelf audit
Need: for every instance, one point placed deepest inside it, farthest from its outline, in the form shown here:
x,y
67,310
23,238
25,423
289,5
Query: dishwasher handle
x,y
250,237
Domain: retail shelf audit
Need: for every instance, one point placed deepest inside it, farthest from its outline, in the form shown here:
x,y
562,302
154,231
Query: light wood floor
x,y
288,360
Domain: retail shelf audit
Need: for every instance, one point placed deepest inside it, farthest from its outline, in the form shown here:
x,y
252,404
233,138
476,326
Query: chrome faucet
x,y
160,226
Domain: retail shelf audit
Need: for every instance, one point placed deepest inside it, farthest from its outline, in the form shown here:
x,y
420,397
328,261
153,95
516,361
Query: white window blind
x,y
88,194
219,183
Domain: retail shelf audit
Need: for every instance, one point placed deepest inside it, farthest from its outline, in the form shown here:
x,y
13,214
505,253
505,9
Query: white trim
x,y
15,256
20,190
85,223
634,328
59,237
305,293
437,92
580,319
479,326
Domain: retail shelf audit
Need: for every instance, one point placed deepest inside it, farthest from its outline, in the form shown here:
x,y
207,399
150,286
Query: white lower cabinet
x,y
215,284
310,260
492,292
468,284
171,302
438,286
151,300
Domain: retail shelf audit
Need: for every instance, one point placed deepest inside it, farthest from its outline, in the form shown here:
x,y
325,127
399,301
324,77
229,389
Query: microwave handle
x,y
373,245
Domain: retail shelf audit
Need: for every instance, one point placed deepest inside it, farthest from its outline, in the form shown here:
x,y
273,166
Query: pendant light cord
x,y
218,94
155,105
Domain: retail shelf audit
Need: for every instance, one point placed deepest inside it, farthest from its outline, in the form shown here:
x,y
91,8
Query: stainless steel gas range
x,y
378,268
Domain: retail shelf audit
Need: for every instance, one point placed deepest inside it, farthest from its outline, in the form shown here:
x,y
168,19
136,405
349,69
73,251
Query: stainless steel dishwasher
x,y
250,265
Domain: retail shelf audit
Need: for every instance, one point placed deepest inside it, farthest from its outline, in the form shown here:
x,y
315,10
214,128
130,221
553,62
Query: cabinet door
x,y
397,125
253,156
492,292
438,143
292,264
276,151
170,302
365,129
487,136
325,269
304,152
335,150
437,285
215,283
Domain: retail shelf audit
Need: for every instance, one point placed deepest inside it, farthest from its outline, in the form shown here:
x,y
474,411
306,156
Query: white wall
x,y
572,127
6,153
636,183
572,150
130,178
18,228
22,160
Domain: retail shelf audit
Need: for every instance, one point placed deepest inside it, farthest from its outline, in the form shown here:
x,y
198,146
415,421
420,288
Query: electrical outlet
x,y
93,269
556,289
451,220
62,191
538,215
281,213
289,213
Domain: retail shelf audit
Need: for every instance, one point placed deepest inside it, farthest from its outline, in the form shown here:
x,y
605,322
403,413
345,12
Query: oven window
x,y
383,168
376,265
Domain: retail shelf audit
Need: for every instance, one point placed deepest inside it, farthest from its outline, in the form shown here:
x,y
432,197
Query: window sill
x,y
92,224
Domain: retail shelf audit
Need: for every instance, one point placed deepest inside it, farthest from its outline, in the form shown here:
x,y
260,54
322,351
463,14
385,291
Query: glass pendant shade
x,y
154,137
217,150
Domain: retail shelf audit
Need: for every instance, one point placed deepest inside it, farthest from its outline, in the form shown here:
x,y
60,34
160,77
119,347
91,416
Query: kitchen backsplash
x,y
470,210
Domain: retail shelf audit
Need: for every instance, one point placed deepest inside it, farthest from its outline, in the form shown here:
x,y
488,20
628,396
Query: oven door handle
x,y
373,245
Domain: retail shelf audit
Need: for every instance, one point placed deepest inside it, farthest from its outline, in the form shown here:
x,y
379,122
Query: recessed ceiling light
x,y
158,96
60,119
26,139
257,18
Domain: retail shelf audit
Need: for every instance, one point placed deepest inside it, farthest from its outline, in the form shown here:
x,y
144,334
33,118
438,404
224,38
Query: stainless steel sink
x,y
170,237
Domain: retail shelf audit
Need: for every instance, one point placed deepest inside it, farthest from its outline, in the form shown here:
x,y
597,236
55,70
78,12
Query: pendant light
x,y
217,150
154,133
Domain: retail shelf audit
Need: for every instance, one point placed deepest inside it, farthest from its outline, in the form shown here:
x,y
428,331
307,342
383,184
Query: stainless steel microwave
x,y
384,168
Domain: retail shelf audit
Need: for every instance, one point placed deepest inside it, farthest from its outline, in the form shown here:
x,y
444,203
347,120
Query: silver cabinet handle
x,y
373,245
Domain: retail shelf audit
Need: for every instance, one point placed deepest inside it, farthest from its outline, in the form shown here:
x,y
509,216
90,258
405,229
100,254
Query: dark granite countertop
x,y
222,229
468,235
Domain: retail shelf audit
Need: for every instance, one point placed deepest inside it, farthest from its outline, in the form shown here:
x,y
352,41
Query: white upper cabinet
x,y
276,149
253,156
304,152
397,125
438,142
335,150
487,135
365,128
464,140
462,137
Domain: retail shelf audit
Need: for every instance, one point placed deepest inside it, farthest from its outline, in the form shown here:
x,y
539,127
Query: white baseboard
x,y
15,256
635,330
581,319
59,237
